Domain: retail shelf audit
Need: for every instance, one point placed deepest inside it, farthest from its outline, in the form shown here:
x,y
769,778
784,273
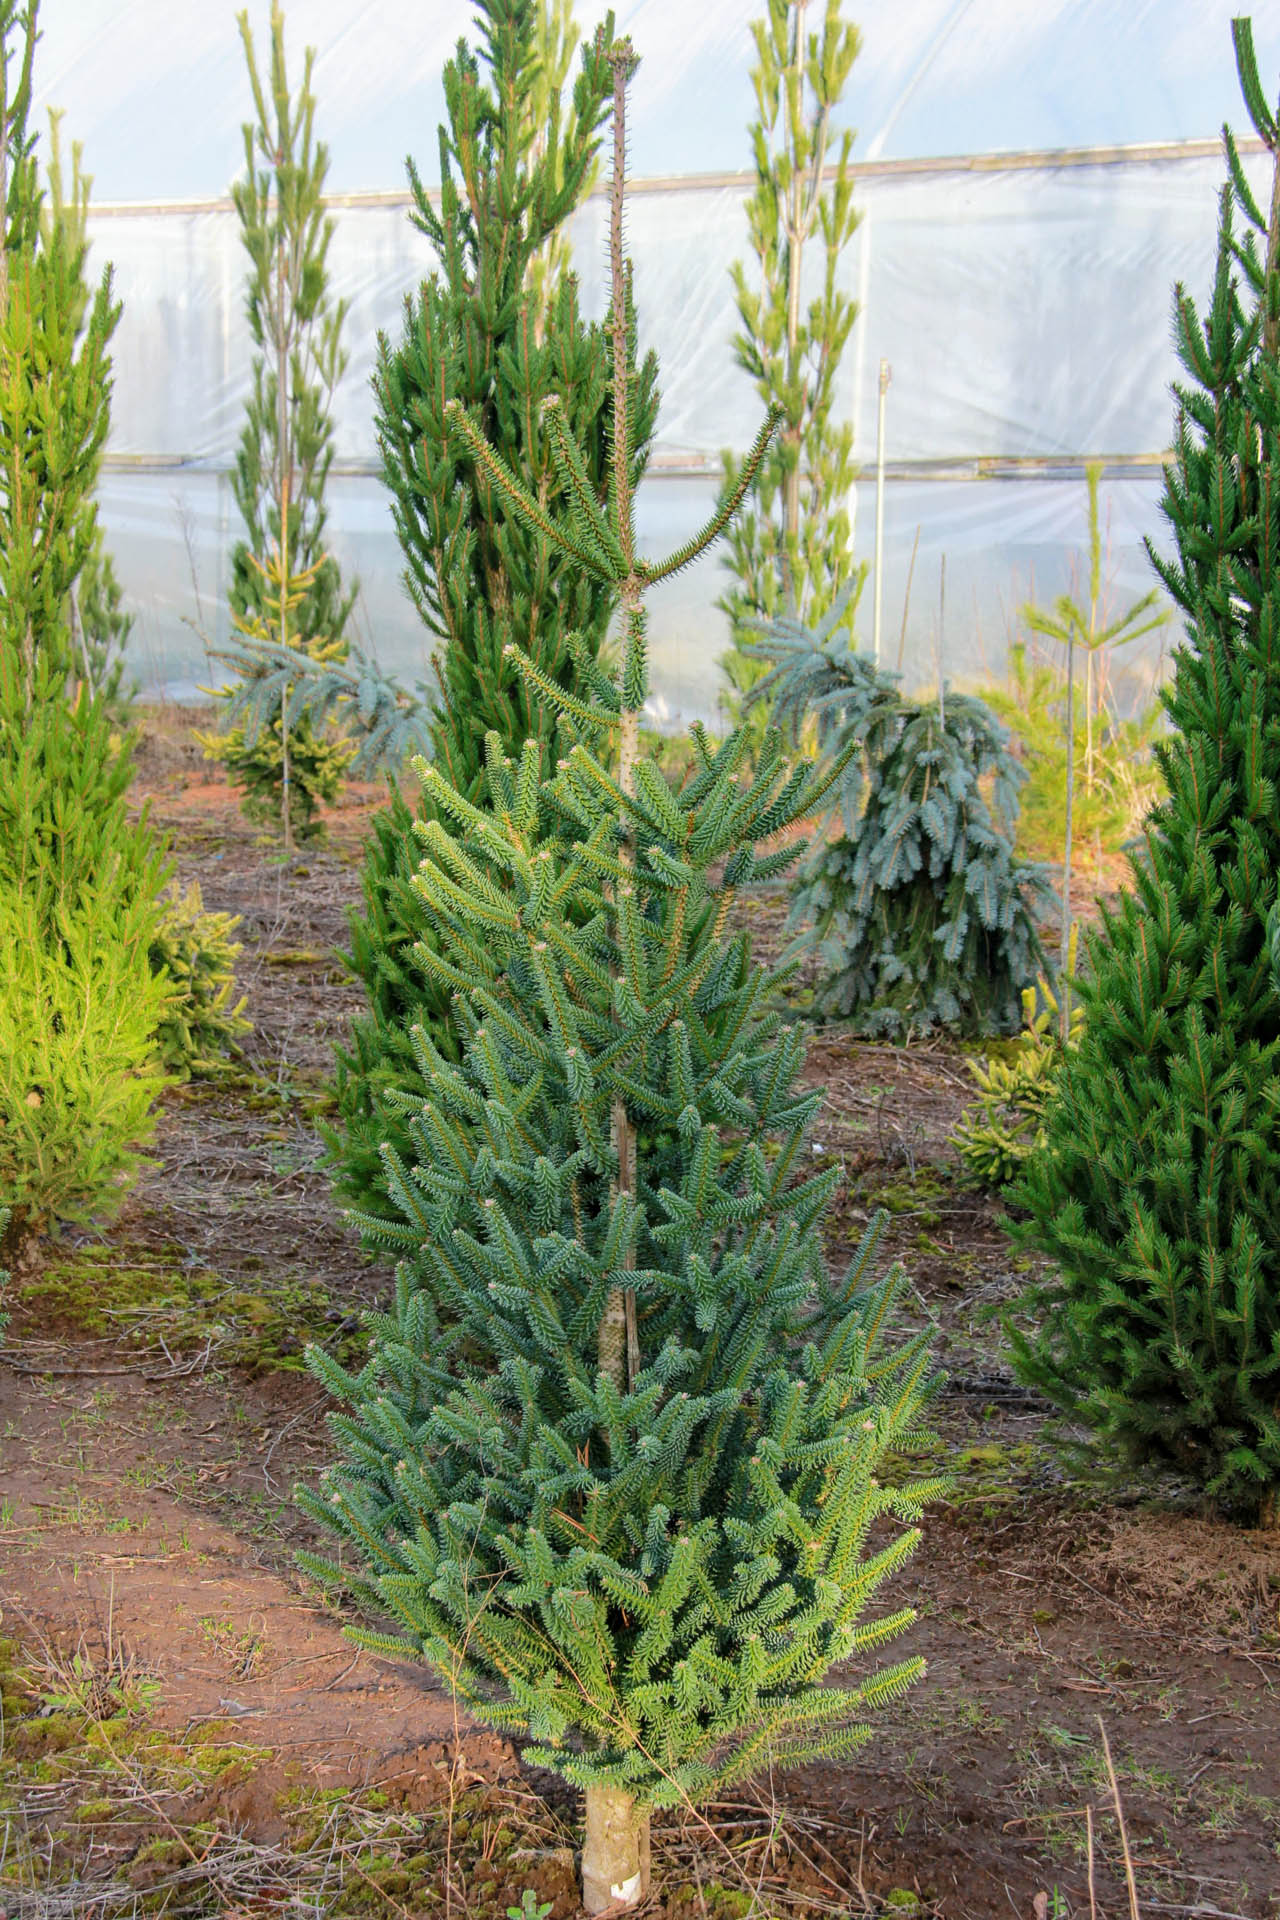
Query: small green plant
x,y
97,1689
287,767
530,1908
1083,623
201,1025
995,1136
255,763
1126,782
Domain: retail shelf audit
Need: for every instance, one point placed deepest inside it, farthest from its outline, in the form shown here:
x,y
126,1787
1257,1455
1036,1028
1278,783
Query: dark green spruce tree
x,y
1157,1193
474,334
612,1465
498,329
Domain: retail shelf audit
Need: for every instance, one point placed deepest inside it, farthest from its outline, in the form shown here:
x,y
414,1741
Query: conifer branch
x,y
725,512
517,498
573,476
563,701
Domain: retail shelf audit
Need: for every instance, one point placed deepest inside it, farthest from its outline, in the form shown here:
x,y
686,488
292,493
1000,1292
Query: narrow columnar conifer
x,y
514,165
55,383
79,878
99,626
498,328
791,550
612,1464
286,446
1156,1194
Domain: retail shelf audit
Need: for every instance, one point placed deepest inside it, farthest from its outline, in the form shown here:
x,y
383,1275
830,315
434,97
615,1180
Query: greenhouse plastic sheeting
x,y
1022,298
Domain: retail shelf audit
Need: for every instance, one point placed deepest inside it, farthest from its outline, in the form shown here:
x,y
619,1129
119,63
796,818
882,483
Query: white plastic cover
x,y
1023,301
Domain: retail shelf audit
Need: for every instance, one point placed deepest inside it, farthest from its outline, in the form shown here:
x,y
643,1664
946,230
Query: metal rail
x,y
1026,160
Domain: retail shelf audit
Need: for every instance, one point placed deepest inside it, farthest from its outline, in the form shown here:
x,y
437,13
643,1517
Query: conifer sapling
x,y
913,898
791,549
286,447
612,1463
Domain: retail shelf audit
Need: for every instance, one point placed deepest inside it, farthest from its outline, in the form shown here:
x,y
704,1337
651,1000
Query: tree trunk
x,y
615,1859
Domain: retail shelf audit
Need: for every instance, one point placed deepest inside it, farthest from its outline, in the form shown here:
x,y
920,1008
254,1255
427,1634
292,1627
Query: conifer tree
x,y
555,36
286,447
54,386
475,334
913,899
611,1465
792,549
79,878
98,625
1157,1192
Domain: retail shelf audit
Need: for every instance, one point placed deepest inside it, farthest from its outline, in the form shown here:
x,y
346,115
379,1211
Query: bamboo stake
x,y
886,374
282,433
906,599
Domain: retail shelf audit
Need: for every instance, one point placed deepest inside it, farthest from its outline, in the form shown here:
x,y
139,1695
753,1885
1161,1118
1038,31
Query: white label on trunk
x,y
628,1890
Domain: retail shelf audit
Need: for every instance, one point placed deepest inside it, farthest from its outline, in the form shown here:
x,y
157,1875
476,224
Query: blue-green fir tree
x,y
612,1465
1157,1193
917,908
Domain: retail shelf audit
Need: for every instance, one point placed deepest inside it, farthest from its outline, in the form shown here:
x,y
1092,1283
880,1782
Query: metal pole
x,y
886,374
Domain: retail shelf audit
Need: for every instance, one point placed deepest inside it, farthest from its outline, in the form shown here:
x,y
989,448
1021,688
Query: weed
x,y
530,1908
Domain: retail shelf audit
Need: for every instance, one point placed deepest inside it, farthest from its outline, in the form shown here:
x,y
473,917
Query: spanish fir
x,y
613,1464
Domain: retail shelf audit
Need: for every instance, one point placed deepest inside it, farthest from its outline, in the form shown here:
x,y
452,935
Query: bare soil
x,y
186,1729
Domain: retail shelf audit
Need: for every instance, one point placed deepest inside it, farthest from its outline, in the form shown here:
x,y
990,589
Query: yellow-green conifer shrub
x,y
79,878
202,1025
78,1072
995,1136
